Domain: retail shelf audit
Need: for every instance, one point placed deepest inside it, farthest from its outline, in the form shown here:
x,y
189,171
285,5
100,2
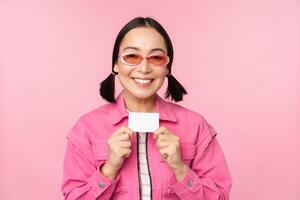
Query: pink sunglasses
x,y
134,59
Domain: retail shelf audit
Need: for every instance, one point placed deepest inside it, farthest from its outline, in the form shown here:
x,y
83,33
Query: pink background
x,y
239,61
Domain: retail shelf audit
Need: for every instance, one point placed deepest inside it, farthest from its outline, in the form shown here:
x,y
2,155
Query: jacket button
x,y
101,184
189,183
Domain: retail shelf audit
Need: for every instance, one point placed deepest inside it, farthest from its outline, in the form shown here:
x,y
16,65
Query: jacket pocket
x,y
188,151
100,151
121,192
121,189
169,194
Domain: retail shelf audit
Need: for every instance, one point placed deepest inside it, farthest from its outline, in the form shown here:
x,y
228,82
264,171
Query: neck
x,y
134,104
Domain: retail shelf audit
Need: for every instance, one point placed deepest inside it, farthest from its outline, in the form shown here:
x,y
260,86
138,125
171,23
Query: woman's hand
x,y
168,145
119,144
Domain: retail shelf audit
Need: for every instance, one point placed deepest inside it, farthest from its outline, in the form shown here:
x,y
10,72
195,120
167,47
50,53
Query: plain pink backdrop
x,y
238,59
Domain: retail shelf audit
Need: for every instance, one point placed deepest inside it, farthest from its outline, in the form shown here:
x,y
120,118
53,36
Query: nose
x,y
144,67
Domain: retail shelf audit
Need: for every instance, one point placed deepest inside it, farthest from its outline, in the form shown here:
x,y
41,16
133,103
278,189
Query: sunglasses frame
x,y
121,55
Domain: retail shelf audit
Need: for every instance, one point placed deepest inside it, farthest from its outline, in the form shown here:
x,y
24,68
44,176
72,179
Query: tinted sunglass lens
x,y
158,60
133,59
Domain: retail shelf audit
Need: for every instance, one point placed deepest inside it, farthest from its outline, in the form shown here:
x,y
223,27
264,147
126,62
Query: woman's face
x,y
142,81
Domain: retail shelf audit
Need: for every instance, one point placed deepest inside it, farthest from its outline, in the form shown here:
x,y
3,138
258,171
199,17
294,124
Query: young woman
x,y
105,159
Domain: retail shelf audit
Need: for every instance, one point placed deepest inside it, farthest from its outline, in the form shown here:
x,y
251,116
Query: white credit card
x,y
143,122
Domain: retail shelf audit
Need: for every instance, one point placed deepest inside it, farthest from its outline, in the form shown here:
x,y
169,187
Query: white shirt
x,y
144,174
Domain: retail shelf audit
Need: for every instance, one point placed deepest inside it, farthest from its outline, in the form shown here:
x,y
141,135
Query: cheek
x,y
159,82
161,75
124,72
124,79
124,75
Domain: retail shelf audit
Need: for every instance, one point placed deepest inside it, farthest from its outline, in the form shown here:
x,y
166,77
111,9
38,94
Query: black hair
x,y
175,89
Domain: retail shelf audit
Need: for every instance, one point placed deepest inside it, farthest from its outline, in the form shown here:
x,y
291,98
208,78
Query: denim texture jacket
x,y
208,176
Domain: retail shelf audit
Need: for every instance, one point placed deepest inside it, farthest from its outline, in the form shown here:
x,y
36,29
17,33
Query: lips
x,y
143,81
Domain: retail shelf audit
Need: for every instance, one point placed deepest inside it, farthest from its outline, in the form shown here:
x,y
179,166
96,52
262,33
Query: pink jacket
x,y
208,177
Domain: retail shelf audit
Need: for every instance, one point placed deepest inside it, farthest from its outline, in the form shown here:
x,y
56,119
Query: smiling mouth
x,y
143,81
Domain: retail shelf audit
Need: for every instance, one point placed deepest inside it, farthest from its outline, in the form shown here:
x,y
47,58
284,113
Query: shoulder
x,y
186,114
192,118
90,121
100,112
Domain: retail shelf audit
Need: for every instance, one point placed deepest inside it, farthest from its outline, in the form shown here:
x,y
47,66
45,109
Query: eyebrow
x,y
152,50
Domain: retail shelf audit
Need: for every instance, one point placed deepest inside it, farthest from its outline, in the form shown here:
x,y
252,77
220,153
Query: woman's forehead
x,y
143,39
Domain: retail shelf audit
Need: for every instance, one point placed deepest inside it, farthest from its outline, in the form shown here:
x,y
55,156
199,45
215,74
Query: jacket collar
x,y
118,110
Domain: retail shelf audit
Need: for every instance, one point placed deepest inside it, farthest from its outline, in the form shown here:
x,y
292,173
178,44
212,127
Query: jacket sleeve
x,y
82,179
208,178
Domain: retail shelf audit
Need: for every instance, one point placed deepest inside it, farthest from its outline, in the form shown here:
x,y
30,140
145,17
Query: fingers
x,y
159,132
162,144
164,152
166,142
123,133
119,144
123,137
126,153
124,144
120,139
122,130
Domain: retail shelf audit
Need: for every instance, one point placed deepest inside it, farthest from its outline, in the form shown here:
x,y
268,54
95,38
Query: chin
x,y
143,94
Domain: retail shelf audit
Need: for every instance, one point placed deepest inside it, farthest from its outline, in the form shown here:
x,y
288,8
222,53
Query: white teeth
x,y
142,81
